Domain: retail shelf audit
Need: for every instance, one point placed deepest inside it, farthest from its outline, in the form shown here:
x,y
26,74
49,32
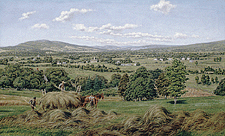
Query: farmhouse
x,y
94,60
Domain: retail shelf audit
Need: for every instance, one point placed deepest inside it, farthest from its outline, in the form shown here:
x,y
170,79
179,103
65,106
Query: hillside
x,y
46,46
200,47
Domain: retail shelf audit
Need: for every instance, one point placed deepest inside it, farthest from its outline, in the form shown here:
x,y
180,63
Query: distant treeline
x,y
209,70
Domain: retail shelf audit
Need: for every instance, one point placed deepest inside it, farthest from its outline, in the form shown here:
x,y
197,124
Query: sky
x,y
112,22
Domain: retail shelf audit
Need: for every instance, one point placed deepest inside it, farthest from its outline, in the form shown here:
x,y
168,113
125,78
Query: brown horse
x,y
92,99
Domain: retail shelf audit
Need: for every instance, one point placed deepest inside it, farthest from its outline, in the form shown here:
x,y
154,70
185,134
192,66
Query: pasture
x,y
124,109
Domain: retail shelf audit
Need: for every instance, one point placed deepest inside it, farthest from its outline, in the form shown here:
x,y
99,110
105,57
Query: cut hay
x,y
156,121
195,121
156,114
56,115
60,100
216,122
80,112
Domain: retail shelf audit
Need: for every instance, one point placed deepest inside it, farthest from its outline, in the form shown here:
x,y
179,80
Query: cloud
x,y
195,36
67,15
126,26
184,36
111,41
180,36
109,27
40,26
163,6
79,27
26,15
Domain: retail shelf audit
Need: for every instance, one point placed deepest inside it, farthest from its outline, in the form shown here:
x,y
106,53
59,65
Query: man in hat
x,y
33,103
62,86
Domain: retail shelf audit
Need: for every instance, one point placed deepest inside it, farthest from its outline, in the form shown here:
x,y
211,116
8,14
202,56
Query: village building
x,y
94,60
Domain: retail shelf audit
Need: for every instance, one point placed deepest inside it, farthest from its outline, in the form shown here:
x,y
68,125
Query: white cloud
x,y
184,36
79,27
126,26
180,36
67,15
112,41
40,26
109,27
195,36
106,29
26,15
163,6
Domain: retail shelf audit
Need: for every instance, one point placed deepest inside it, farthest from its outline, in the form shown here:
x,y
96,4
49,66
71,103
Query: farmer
x,y
92,100
62,86
33,103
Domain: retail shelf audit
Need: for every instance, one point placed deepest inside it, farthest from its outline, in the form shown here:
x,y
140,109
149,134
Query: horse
x,y
92,99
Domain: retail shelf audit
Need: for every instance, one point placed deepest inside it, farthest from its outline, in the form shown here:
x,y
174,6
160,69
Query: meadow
x,y
125,109
211,105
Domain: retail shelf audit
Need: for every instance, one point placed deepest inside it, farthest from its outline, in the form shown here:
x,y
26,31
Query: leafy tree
x,y
19,83
207,79
197,79
89,84
55,76
138,64
220,90
212,80
123,84
115,79
203,79
177,76
216,80
97,84
140,86
162,83
5,82
196,63
155,73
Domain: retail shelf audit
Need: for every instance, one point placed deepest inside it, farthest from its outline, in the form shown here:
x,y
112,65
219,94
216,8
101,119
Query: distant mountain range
x,y
57,46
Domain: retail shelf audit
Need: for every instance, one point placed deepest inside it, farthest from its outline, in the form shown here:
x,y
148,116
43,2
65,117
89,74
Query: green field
x,y
124,109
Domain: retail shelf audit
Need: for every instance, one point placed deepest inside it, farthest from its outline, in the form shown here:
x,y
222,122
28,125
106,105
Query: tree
x,y
19,83
197,79
220,90
55,76
216,80
207,79
177,76
123,84
115,79
212,80
203,79
162,83
196,63
138,64
140,86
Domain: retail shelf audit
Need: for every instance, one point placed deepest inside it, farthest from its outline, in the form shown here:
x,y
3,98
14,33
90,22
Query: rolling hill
x,y
44,46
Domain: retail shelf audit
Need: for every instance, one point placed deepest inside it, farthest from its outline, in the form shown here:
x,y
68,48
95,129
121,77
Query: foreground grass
x,y
7,111
211,105
24,93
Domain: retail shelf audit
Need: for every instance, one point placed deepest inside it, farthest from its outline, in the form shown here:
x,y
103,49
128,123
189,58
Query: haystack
x,y
216,122
61,100
79,112
195,121
156,114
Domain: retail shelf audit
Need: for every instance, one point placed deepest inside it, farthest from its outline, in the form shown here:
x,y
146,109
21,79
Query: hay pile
x,y
79,118
156,121
60,100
